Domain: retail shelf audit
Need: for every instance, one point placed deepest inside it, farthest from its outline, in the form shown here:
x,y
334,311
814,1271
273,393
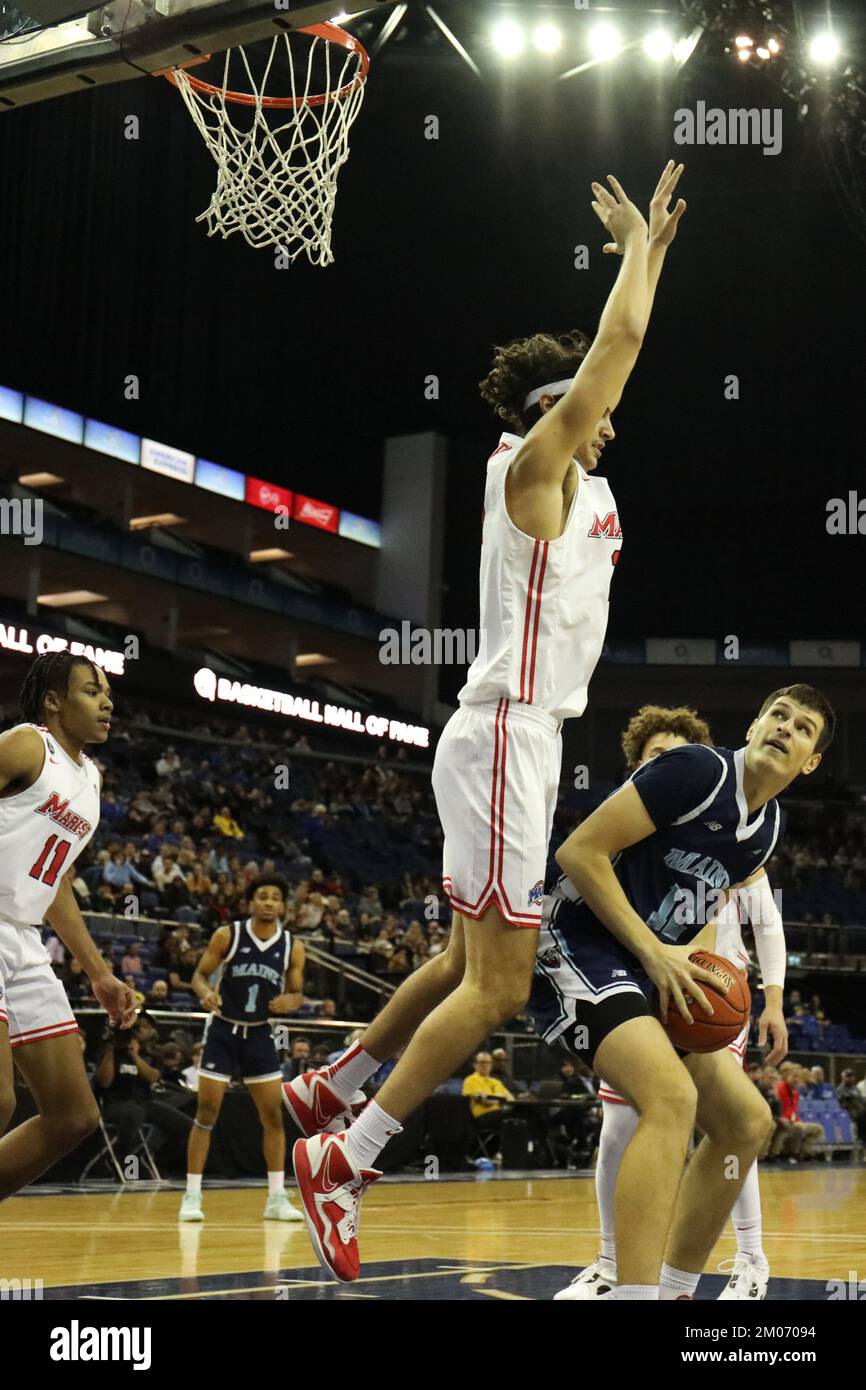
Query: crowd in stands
x,y
190,817
797,1097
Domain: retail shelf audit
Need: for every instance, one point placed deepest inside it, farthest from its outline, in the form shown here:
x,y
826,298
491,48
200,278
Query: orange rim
x,y
331,32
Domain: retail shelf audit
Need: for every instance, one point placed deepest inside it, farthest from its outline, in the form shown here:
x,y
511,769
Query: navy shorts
x,y
239,1049
584,987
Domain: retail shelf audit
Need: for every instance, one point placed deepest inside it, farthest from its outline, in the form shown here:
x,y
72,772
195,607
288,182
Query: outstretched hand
x,y
620,217
663,224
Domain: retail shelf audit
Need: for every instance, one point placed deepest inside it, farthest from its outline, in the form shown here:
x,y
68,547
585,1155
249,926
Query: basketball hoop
x,y
278,155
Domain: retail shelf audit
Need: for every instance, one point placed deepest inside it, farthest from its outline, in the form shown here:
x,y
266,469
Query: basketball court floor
x,y
520,1236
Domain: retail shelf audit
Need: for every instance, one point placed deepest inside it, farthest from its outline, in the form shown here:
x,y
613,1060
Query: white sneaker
x,y
592,1282
748,1279
278,1207
190,1207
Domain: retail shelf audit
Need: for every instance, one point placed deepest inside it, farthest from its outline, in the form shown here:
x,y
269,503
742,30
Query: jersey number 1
x,y
57,861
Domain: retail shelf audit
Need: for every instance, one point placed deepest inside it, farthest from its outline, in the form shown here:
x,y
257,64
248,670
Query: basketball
x,y
731,1001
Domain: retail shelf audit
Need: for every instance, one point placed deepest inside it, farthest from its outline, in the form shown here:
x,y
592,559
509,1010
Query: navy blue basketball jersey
x,y
253,973
705,842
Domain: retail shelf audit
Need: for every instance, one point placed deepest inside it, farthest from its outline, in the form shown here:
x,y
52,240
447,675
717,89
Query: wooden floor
x,y
501,1238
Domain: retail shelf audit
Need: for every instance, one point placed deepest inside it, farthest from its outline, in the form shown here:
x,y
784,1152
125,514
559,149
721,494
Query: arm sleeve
x,y
758,908
677,783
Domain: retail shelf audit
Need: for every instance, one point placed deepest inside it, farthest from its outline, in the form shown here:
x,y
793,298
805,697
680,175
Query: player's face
x,y
268,903
782,740
660,743
84,713
589,454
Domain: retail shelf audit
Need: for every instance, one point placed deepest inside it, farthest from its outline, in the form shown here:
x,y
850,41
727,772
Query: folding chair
x,y
142,1149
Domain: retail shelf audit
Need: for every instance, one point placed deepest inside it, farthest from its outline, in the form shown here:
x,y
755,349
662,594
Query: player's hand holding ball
x,y
728,992
675,975
620,217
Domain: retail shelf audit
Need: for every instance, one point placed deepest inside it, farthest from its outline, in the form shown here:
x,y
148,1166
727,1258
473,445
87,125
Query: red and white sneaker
x,y
330,1187
315,1107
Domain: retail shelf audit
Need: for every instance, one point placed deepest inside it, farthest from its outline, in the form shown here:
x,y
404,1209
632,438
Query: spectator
x,y
818,1088
501,1066
849,1097
125,1080
487,1096
168,764
226,824
298,1060
132,964
158,996
180,977
327,1009
798,1140
77,985
120,873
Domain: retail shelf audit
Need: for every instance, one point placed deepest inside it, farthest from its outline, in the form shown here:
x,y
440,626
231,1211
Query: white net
x,y
278,164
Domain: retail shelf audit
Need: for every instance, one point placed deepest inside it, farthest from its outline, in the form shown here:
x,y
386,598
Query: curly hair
x,y
525,363
657,719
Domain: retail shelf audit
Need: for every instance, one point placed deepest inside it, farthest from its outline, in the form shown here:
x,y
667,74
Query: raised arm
x,y
585,857
538,472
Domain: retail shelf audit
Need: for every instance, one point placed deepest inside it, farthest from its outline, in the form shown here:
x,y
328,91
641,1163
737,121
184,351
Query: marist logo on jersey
x,y
607,526
58,811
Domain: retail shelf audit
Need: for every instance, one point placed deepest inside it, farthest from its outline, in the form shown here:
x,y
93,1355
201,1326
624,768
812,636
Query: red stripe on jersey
x,y
537,617
527,620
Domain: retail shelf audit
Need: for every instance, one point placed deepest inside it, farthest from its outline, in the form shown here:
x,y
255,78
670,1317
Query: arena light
x,y
142,523
71,598
547,38
264,557
508,38
763,53
743,41
824,49
604,42
774,45
314,659
40,479
658,46
744,54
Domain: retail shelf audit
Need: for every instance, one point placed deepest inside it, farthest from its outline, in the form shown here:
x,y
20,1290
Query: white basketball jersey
x,y
43,830
544,604
729,934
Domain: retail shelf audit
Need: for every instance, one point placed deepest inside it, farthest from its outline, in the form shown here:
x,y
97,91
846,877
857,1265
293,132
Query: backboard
x,y
133,38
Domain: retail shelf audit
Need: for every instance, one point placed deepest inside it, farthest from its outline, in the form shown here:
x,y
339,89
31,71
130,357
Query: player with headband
x,y
550,540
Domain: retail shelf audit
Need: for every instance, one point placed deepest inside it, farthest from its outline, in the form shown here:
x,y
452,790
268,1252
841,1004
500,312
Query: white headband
x,y
553,388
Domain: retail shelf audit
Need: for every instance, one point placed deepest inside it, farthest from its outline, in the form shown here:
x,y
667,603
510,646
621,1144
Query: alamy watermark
x,y
22,516
438,646
736,126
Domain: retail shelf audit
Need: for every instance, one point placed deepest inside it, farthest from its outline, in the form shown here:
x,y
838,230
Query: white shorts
x,y
738,1047
496,780
33,1002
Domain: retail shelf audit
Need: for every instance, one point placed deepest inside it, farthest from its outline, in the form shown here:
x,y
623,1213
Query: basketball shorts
x,y
579,996
33,1002
246,1050
496,780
